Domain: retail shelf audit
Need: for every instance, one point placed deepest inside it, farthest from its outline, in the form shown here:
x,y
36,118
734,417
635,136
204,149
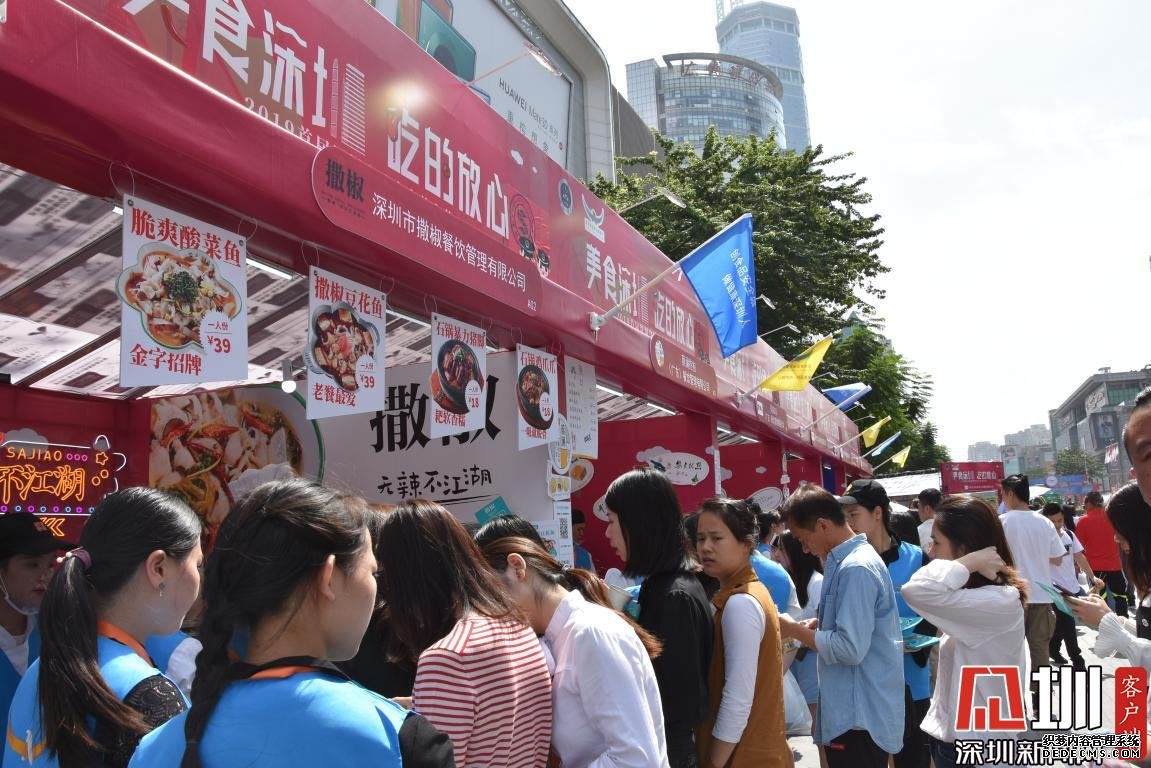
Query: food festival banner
x,y
969,476
341,77
183,294
458,378
345,354
581,407
537,395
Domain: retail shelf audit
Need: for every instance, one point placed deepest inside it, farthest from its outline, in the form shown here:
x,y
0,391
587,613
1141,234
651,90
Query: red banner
x,y
970,476
1131,704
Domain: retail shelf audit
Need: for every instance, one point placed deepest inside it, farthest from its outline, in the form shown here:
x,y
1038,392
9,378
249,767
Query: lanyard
x,y
112,632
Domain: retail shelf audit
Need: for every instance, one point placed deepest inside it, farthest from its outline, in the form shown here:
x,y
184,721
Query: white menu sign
x,y
458,378
537,390
183,299
582,408
345,353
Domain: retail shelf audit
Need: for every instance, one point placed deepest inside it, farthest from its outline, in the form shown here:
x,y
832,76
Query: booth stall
x,y
361,226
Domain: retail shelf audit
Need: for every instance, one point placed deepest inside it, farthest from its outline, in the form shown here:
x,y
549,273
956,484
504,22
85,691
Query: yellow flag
x,y
871,434
796,375
900,458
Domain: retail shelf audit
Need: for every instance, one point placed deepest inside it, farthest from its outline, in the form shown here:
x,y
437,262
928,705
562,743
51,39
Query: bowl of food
x,y
339,339
530,390
173,290
456,366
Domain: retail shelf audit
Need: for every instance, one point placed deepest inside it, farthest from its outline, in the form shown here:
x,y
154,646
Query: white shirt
x,y
814,593
744,625
1064,573
925,534
605,699
15,647
1034,542
982,627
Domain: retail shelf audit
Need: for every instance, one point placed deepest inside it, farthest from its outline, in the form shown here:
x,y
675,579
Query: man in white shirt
x,y
1036,547
929,499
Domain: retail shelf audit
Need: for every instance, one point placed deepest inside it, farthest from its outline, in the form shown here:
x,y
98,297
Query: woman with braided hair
x,y
289,588
135,575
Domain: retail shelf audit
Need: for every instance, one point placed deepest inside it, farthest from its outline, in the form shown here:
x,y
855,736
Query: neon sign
x,y
56,480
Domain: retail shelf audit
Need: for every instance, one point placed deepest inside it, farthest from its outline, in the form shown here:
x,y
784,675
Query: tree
x,y
1074,461
816,252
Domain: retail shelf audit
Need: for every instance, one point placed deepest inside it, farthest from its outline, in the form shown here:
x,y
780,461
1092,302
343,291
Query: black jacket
x,y
674,608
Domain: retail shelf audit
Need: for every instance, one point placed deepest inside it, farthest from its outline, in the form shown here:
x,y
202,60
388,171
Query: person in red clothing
x,y
1098,539
481,674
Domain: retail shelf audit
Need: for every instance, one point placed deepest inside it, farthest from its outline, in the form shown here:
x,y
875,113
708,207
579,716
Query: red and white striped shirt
x,y
486,685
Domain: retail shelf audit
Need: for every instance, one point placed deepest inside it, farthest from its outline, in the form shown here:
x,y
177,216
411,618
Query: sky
x,y
1007,146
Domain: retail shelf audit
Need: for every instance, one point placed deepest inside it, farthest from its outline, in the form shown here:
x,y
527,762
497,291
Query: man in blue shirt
x,y
856,636
582,556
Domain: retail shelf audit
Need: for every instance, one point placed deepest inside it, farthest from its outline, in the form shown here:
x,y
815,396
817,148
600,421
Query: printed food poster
x,y
183,295
458,378
537,396
203,444
345,354
582,407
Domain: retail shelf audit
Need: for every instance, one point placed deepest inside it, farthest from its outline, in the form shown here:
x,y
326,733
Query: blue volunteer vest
x,y
10,678
910,560
122,669
308,718
774,577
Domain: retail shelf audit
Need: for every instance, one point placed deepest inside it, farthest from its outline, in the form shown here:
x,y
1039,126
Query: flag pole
x,y
877,466
599,321
741,396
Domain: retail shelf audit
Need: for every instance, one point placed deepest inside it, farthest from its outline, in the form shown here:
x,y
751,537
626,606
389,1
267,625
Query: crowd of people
x,y
333,632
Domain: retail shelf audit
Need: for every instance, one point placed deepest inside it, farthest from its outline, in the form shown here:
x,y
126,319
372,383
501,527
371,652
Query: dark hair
x,y
432,574
267,550
125,528
550,571
905,527
1094,498
1018,485
766,520
1130,516
736,515
577,517
810,503
1142,400
1051,508
800,565
691,528
970,524
650,520
504,526
1069,517
931,497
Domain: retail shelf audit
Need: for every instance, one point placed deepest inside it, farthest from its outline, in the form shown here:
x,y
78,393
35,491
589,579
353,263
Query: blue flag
x,y
848,394
722,272
885,444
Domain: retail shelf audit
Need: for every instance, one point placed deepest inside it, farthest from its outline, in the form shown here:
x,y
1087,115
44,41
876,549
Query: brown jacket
x,y
764,741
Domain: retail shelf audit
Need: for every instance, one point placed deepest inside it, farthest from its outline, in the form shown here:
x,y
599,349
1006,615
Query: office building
x,y
693,91
768,34
983,451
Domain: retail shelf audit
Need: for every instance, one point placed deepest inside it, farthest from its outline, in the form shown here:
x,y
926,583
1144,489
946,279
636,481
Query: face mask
x,y
12,603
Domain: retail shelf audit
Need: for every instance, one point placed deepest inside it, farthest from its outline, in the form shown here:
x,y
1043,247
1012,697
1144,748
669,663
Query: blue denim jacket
x,y
860,648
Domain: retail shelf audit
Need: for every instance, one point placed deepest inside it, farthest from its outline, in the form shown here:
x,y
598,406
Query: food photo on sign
x,y
458,377
346,346
183,294
537,396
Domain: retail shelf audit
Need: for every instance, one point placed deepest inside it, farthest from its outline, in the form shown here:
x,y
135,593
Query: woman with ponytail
x,y
94,690
289,588
605,697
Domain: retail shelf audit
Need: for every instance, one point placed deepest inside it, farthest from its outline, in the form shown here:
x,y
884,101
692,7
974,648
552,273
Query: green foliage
x,y
816,252
1074,461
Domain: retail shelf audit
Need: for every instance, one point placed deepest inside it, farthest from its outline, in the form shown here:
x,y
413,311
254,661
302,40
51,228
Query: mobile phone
x,y
1064,591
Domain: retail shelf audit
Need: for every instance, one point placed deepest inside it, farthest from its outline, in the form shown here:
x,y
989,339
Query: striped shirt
x,y
486,685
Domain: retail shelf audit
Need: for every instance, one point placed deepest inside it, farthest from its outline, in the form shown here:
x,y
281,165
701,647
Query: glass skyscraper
x,y
769,34
693,91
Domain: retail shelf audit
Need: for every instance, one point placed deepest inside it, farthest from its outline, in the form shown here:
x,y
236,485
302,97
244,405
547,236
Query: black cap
x,y
866,493
22,533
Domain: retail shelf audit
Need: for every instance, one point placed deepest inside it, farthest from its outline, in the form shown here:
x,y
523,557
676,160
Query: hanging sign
x,y
183,296
581,407
345,354
458,378
687,369
537,389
